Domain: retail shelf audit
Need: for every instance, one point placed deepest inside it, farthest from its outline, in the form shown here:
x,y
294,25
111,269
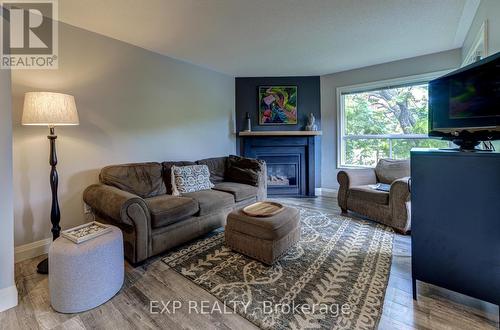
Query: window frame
x,y
364,87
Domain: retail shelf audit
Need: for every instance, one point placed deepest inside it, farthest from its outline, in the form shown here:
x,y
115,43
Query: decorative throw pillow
x,y
186,179
243,170
167,172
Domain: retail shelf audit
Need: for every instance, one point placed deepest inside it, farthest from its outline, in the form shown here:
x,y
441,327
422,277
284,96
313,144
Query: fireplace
x,y
283,174
291,160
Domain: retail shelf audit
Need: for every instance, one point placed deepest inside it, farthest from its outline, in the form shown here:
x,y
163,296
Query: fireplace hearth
x,y
290,158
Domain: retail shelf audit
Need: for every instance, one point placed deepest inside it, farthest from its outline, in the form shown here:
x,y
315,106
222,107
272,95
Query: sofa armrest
x,y
262,185
112,202
353,177
399,202
122,208
243,170
261,167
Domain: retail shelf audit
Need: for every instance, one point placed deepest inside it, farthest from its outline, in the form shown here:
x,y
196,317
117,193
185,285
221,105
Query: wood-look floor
x,y
129,309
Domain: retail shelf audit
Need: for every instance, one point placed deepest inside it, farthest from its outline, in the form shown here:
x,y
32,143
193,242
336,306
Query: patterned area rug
x,y
335,277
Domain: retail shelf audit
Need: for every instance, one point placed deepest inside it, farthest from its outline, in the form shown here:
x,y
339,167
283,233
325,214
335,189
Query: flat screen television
x,y
464,105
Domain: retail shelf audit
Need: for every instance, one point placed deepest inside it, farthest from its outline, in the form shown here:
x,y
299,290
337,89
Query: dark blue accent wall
x,y
247,100
308,100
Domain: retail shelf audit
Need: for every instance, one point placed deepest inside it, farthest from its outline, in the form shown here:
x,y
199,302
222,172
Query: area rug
x,y
334,278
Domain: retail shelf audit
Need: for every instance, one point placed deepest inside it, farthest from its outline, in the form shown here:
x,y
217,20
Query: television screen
x,y
467,99
474,95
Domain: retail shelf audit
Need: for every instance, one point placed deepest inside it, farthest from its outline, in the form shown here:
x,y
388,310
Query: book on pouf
x,y
85,232
381,186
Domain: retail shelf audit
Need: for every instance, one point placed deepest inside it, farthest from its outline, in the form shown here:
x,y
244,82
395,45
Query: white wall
x,y
8,292
134,106
329,83
488,10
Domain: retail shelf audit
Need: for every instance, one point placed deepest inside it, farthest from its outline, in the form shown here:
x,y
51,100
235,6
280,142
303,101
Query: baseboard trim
x,y
31,250
326,192
8,298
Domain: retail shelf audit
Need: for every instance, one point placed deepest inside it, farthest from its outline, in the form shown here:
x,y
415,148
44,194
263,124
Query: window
x,y
383,121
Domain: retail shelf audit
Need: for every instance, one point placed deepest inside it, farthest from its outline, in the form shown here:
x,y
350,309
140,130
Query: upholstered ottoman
x,y
263,238
86,275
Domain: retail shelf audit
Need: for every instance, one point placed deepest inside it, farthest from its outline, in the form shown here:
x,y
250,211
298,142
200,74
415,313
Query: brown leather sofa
x,y
137,198
356,193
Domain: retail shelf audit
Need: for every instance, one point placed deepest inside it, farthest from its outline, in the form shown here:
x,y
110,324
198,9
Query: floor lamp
x,y
50,109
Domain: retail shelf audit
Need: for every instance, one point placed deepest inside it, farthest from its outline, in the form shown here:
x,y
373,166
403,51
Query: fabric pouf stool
x,y
263,238
86,275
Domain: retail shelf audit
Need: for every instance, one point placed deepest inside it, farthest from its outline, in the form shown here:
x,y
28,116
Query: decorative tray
x,y
263,209
85,232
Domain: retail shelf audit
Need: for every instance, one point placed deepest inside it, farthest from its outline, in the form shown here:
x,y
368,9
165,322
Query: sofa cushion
x,y
166,209
369,194
388,170
167,173
252,163
240,191
211,201
243,170
217,167
142,179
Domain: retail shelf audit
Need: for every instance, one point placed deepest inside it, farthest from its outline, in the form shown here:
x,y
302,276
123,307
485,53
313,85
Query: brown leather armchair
x,y
357,193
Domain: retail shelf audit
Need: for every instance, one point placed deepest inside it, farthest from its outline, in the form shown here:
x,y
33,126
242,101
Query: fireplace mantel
x,y
281,133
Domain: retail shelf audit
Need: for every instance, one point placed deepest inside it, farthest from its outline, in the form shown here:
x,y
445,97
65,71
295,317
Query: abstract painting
x,y
278,105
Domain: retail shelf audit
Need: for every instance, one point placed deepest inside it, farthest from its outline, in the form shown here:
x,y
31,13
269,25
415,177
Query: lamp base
x,y
43,267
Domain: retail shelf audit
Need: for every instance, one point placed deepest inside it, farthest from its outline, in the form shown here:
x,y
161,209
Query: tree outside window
x,y
385,123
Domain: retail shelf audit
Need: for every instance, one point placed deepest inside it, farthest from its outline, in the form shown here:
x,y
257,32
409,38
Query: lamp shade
x,y
49,109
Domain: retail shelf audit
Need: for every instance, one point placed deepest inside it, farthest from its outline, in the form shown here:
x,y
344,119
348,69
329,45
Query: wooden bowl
x,y
263,209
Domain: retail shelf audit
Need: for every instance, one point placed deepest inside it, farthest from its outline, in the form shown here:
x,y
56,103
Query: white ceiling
x,y
279,37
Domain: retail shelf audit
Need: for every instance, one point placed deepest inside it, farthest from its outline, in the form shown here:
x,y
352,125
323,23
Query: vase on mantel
x,y
311,123
248,127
